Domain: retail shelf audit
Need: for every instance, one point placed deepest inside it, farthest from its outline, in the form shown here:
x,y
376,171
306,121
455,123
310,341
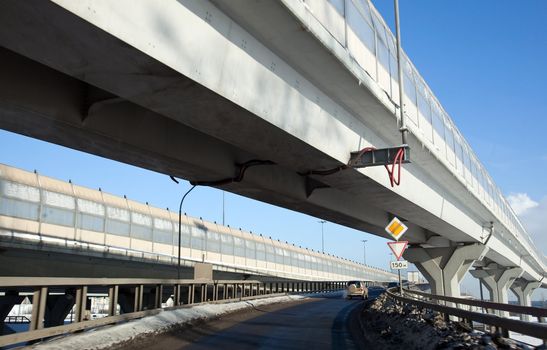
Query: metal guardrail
x,y
502,324
17,319
538,312
144,297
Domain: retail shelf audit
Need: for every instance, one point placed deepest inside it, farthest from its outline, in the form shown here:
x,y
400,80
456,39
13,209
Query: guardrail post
x,y
39,298
139,291
81,299
112,300
190,294
176,294
159,296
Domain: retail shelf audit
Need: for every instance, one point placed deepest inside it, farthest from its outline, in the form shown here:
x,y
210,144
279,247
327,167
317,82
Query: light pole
x,y
180,222
364,251
222,208
322,222
403,128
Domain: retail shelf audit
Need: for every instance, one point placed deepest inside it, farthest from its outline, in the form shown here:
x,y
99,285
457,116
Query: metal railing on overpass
x,y
443,305
132,298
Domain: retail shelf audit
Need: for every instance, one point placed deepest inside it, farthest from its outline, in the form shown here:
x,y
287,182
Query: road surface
x,y
315,323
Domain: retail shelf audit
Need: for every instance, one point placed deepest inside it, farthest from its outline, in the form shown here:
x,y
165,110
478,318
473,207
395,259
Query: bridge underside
x,y
69,82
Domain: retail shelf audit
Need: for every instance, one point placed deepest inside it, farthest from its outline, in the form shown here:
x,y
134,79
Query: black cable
x,y
242,168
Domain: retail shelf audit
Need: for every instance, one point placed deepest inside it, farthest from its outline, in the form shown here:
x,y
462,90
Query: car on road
x,y
356,289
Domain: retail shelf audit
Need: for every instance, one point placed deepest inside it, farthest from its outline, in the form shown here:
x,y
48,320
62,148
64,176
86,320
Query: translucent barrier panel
x,y
287,257
270,253
378,26
250,249
116,227
117,214
338,5
409,86
449,138
424,111
307,259
185,236
361,36
58,200
294,258
239,247
467,165
438,126
213,242
90,207
301,260
227,244
58,216
394,73
331,15
164,237
162,224
19,209
20,191
260,252
91,222
383,66
198,238
141,232
141,227
141,219
459,155
278,255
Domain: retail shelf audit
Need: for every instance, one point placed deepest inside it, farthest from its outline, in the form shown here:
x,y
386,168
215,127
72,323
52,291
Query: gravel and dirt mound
x,y
390,326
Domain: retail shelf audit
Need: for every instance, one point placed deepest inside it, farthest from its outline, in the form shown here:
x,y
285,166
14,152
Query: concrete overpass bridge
x,y
197,89
52,228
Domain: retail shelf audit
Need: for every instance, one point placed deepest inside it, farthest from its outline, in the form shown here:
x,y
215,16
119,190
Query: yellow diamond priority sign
x,y
396,228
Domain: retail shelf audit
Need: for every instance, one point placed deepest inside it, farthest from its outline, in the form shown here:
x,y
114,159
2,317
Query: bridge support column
x,y
445,267
524,289
497,281
7,302
59,306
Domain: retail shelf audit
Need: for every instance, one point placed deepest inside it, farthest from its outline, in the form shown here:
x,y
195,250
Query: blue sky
x,y
485,61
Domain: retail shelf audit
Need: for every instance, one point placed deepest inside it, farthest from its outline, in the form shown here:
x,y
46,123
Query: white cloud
x,y
535,220
521,203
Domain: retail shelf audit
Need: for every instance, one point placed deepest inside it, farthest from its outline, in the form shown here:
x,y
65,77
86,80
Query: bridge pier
x,y
523,290
498,280
7,302
59,306
445,267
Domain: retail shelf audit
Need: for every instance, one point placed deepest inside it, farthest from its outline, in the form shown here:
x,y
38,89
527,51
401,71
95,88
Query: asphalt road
x,y
316,323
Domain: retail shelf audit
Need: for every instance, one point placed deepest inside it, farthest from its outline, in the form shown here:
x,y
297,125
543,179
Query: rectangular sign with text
x,y
399,265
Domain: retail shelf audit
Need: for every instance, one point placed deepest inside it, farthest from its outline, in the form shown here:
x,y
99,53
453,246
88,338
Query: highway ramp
x,y
314,323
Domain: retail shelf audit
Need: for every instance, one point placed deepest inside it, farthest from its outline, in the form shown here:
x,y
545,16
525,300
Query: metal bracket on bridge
x,y
381,156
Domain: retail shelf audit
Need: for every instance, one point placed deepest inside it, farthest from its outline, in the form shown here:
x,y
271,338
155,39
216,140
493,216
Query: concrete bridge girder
x,y
445,267
248,110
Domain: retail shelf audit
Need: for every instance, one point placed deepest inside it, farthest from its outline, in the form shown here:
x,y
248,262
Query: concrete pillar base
x,y
445,267
524,289
498,280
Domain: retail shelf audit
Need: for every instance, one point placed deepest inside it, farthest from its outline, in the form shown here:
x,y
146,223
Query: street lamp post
x,y
403,128
322,222
180,223
222,208
364,251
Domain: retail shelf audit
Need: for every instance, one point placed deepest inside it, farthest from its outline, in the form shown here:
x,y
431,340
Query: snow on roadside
x,y
109,336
